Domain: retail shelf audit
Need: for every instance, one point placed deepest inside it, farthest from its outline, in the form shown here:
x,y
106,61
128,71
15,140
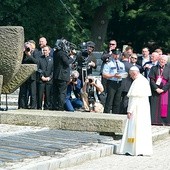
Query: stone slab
x,y
25,153
36,143
32,145
20,77
43,151
11,40
77,121
11,157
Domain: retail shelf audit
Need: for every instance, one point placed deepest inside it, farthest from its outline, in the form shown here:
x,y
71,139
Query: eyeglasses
x,y
134,58
112,44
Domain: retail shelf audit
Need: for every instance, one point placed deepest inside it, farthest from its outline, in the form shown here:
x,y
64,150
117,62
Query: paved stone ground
x,y
160,160
35,148
22,145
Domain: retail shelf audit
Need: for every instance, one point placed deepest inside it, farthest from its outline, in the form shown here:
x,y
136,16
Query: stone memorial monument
x,y
12,72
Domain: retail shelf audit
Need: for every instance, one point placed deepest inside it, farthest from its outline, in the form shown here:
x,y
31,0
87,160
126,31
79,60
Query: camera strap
x,y
95,93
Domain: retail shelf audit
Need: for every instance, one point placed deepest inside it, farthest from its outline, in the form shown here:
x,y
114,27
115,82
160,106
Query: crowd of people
x,y
64,79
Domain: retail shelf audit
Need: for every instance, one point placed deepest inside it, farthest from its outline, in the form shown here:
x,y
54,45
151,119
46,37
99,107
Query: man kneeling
x,y
91,91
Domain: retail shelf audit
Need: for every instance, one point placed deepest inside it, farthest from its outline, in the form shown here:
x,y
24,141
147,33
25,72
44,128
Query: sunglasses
x,y
112,44
134,58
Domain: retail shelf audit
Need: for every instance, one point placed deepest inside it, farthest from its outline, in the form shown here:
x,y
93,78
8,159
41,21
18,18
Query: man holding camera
x,y
91,91
73,98
61,73
28,88
86,61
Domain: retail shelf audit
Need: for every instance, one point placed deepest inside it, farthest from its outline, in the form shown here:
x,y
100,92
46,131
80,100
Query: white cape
x,y
137,137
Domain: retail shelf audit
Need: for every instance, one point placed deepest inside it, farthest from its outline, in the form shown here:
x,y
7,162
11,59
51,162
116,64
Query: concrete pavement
x,y
158,161
102,147
46,153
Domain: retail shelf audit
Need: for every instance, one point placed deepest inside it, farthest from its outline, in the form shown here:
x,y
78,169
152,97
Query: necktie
x,y
117,66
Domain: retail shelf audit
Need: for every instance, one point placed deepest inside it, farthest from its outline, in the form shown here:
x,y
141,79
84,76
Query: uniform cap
x,y
116,51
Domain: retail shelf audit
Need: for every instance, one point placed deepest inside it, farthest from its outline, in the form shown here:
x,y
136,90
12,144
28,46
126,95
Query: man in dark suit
x,y
61,74
28,88
45,72
126,83
38,52
153,62
145,57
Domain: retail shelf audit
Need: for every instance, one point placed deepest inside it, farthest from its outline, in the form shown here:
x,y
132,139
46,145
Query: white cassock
x,y
137,136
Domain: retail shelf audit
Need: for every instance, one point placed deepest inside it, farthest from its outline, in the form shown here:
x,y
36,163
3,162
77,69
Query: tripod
x,y
84,74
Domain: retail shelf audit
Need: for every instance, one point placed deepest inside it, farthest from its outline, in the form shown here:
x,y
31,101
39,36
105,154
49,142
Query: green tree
x,y
136,22
142,22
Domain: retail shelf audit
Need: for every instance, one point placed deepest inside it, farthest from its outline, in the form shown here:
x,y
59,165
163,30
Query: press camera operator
x,y
91,91
86,60
73,98
61,73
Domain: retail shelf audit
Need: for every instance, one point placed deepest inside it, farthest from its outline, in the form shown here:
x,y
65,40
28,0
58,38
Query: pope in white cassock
x,y
137,137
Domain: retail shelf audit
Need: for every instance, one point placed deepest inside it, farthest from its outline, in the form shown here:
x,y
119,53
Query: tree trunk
x,y
99,27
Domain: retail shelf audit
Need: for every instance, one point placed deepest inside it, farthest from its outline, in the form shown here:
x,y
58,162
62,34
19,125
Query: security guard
x,y
111,72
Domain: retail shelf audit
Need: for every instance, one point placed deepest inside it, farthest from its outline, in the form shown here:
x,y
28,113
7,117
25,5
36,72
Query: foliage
x,y
136,22
143,22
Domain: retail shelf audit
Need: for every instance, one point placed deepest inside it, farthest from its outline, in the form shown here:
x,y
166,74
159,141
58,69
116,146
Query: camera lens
x,y
74,79
27,49
90,80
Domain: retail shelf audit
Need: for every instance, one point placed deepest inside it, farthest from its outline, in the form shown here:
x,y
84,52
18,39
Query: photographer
x,y
91,90
28,88
61,73
73,98
86,60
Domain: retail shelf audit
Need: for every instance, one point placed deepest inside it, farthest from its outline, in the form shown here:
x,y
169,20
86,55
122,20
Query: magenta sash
x,y
164,101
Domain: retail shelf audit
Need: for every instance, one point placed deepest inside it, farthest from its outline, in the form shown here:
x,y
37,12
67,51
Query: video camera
x,y
63,44
84,50
84,54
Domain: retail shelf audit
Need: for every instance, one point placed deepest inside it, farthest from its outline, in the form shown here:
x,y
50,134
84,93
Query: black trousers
x,y
27,89
113,98
59,94
44,91
124,103
104,83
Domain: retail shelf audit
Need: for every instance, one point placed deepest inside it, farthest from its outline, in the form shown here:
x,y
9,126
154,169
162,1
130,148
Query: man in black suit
x,y
126,83
153,62
144,58
45,72
28,88
61,74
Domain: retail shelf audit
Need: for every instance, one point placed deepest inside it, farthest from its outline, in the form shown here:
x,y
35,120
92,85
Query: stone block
x,y
78,121
22,75
11,40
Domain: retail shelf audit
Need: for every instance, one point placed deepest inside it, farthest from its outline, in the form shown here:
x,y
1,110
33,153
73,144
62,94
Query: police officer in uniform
x,y
111,72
